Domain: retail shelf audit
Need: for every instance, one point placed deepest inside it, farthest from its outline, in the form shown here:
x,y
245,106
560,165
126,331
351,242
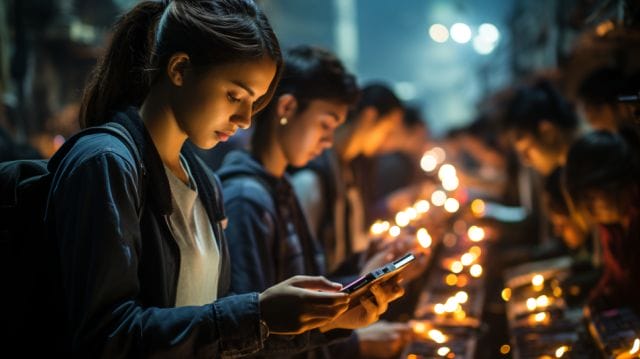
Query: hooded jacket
x,y
271,240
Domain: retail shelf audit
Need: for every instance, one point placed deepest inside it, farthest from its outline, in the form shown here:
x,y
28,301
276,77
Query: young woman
x,y
601,179
269,236
144,262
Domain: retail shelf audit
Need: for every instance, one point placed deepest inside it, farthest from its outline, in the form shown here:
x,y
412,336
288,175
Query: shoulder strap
x,y
118,131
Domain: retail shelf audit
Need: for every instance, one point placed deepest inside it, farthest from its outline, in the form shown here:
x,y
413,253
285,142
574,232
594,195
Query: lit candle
x,y
475,233
478,207
475,270
437,336
561,350
402,219
446,171
438,198
428,162
422,206
423,238
450,183
394,231
442,351
451,205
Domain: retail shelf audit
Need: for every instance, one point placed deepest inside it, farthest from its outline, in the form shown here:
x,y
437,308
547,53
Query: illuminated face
x,y
210,107
570,231
310,132
379,131
541,157
602,209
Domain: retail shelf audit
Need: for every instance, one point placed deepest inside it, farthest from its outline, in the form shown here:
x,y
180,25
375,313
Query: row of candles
x,y
410,220
539,316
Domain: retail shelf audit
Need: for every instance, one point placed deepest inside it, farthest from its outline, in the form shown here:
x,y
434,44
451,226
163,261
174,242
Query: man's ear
x,y
286,105
176,68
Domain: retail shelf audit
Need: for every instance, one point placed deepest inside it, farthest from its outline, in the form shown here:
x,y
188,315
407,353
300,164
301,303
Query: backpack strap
x,y
118,131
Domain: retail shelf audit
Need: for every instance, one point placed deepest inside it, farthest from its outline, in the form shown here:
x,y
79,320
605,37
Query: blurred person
x,y
269,238
598,99
541,124
144,264
601,180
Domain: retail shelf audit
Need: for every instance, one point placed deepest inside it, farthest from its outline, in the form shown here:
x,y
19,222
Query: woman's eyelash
x,y
232,98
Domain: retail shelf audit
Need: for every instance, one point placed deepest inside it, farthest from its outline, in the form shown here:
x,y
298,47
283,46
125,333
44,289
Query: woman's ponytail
x,y
122,76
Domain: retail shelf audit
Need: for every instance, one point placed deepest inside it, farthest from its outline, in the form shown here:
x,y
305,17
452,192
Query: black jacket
x,y
108,213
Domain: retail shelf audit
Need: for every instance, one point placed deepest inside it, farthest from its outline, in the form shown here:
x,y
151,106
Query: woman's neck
x,y
273,159
164,131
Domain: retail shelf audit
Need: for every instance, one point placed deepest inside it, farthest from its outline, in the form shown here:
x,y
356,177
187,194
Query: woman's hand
x,y
369,308
302,303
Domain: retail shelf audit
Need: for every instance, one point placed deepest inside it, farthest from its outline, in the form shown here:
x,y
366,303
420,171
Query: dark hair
x,y
530,104
605,162
602,86
380,97
310,73
413,118
211,32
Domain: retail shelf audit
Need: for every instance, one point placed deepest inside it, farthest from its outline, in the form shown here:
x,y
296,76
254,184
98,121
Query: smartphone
x,y
363,283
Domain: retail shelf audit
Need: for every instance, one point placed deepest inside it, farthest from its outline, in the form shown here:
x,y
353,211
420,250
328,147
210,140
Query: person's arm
x,y
308,187
95,220
250,232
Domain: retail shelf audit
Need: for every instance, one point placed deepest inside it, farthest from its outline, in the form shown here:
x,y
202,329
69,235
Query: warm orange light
x,y
437,336
467,258
402,219
457,267
451,279
451,205
476,251
505,349
477,207
438,198
475,270
475,233
419,328
561,350
394,231
506,294
424,238
442,351
537,280
422,206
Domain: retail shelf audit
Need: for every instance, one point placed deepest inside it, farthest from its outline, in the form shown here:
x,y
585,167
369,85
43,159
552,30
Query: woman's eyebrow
x,y
244,86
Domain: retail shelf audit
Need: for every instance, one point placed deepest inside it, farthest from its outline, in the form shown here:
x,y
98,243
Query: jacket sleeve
x,y
250,235
93,215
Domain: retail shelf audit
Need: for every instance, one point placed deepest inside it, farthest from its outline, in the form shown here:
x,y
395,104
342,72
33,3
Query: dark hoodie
x,y
270,239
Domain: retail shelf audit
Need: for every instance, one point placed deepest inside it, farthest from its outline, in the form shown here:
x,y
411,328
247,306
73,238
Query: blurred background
x,y
443,57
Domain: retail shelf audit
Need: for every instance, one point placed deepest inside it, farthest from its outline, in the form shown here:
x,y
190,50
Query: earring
x,y
284,121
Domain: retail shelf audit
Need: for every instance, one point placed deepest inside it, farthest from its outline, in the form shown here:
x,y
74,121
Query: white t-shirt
x,y
199,253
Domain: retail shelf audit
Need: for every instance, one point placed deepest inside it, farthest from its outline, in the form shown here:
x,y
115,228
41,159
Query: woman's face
x,y
210,106
310,132
377,132
532,152
601,209
569,230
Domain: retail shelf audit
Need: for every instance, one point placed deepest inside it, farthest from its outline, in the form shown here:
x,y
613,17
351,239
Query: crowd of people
x,y
163,249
